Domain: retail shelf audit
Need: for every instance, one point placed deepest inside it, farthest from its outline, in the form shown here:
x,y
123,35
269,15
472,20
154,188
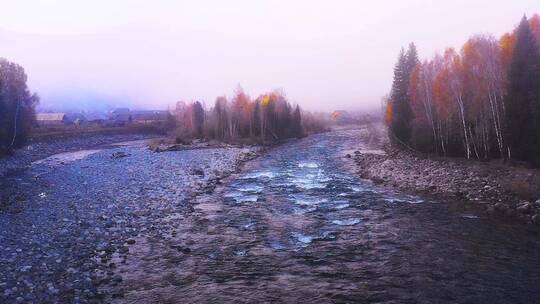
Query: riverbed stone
x,y
501,207
524,207
91,210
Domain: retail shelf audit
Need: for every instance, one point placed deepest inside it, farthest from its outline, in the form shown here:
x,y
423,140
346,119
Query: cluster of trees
x,y
269,117
17,106
480,102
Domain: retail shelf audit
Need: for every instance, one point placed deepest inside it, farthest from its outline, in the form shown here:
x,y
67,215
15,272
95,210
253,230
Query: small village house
x,y
59,118
51,119
120,116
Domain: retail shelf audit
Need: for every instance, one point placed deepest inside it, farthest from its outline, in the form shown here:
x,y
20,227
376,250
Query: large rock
x,y
197,171
524,207
168,148
119,154
501,207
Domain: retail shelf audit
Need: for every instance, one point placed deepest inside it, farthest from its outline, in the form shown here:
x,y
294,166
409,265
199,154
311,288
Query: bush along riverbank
x,y
501,188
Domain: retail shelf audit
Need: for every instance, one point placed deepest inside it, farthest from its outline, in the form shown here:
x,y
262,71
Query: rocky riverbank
x,y
64,217
294,226
34,151
501,188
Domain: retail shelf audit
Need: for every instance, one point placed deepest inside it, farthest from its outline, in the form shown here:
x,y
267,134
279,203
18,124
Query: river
x,y
294,225
297,226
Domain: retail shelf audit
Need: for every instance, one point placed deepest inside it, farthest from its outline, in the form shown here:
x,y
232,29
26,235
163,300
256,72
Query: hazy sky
x,y
325,54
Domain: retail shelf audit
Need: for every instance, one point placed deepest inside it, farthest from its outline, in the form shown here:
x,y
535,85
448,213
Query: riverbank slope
x,y
501,188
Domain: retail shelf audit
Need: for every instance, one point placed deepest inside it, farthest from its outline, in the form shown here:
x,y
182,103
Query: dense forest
x,y
270,117
481,102
17,106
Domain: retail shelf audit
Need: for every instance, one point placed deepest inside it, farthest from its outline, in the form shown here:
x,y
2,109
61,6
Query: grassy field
x,y
70,131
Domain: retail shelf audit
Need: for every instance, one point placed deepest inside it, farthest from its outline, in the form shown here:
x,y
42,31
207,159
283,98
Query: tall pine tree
x,y
297,122
402,114
522,102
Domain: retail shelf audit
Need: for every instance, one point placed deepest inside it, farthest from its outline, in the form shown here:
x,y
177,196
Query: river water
x,y
296,226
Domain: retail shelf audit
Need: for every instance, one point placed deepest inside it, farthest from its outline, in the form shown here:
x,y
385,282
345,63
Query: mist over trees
x,y
269,117
17,106
480,102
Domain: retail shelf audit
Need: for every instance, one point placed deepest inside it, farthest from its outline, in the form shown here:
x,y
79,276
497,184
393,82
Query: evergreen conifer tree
x,y
522,102
402,114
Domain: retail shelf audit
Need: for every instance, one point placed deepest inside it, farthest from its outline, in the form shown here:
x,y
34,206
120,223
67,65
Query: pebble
x,y
59,239
407,172
524,207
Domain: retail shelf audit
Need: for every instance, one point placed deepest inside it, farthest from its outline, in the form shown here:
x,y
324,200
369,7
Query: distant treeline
x,y
270,117
17,106
481,102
